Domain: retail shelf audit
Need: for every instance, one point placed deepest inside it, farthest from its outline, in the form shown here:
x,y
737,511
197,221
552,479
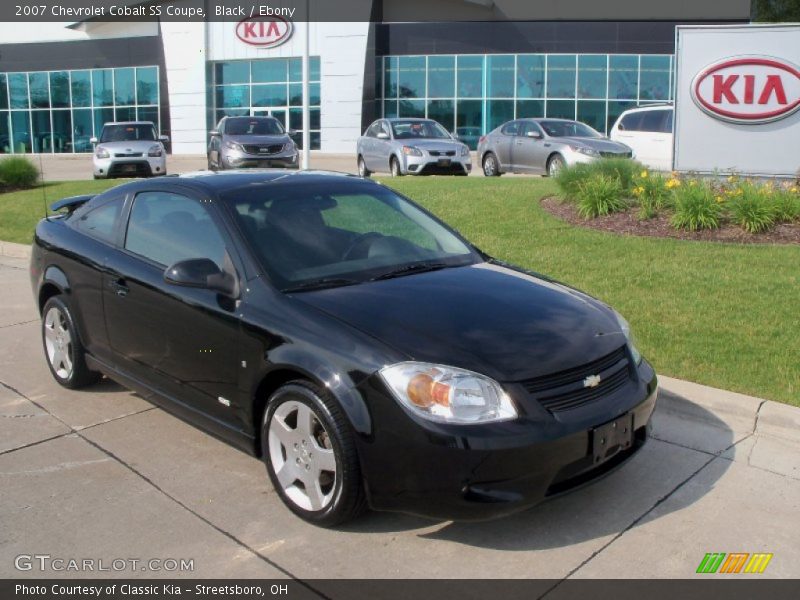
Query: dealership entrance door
x,y
268,111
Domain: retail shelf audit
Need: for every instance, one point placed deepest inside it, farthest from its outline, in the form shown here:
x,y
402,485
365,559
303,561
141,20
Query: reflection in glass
x,y
59,89
82,129
470,76
561,76
40,94
560,109
654,77
103,87
146,85
530,76
124,88
81,88
20,130
18,90
5,133
593,113
411,78
442,111
62,131
40,122
623,77
500,82
592,75
412,108
232,72
441,76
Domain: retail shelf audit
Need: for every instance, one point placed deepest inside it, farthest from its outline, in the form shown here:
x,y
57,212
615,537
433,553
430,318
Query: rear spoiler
x,y
70,203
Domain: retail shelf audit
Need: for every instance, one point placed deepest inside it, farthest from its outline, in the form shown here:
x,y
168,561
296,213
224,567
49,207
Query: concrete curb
x,y
13,250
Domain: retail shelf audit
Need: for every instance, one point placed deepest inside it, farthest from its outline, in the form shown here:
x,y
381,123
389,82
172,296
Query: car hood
x,y
599,144
258,139
432,144
488,318
134,146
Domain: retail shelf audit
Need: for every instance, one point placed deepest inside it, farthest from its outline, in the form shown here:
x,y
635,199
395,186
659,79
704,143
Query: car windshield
x,y
133,132
338,233
253,126
410,130
568,129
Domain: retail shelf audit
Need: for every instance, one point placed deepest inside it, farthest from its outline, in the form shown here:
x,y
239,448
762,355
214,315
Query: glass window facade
x,y
60,111
273,86
483,91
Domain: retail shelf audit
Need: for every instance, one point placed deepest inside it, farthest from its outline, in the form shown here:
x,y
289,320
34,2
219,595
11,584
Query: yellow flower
x,y
731,178
719,199
643,174
794,189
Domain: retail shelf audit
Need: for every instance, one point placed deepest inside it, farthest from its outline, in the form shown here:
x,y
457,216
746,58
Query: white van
x,y
648,130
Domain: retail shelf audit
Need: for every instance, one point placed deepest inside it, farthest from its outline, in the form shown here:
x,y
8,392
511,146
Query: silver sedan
x,y
411,147
544,146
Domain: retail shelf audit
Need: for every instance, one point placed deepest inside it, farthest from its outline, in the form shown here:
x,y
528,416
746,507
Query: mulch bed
x,y
628,223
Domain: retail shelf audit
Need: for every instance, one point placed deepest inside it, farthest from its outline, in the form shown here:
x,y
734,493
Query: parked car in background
x,y
411,147
469,135
364,349
129,149
240,142
648,131
543,146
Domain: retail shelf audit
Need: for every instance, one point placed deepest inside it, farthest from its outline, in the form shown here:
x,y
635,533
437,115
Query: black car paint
x,y
184,348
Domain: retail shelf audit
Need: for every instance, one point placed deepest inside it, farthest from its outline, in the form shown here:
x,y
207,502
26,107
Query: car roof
x,y
661,106
129,123
393,119
223,181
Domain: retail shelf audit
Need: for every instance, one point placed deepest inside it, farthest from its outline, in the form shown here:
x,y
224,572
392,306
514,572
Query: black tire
x,y
394,167
555,164
363,171
79,375
491,166
348,499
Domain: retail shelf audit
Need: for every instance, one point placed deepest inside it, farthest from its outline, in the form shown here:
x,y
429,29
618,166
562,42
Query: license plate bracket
x,y
444,162
611,438
129,168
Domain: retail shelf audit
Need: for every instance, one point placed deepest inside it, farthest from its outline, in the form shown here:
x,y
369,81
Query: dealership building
x,y
503,59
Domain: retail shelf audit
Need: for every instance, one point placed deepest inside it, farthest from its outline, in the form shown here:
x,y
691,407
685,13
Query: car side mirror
x,y
93,140
163,138
382,135
534,134
290,132
213,132
201,273
455,136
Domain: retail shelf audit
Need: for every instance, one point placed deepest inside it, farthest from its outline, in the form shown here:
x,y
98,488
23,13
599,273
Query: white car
x,y
648,130
129,149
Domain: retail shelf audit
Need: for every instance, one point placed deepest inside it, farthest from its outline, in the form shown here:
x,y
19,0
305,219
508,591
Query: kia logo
x,y
264,32
748,89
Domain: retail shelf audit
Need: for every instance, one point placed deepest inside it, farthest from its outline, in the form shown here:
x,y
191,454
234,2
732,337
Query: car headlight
x,y
626,329
411,151
101,152
464,150
448,394
155,150
234,146
586,151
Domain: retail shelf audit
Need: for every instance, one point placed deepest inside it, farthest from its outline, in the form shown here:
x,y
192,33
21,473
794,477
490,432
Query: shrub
x,y
752,208
787,205
569,180
18,172
696,207
600,195
652,192
623,169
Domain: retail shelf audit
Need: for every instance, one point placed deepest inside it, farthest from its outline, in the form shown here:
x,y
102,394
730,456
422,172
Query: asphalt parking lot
x,y
104,474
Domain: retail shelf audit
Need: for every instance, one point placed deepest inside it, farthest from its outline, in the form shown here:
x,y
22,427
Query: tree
x,y
776,11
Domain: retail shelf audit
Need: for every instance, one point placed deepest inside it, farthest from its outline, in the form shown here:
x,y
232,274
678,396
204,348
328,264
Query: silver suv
x,y
239,142
129,149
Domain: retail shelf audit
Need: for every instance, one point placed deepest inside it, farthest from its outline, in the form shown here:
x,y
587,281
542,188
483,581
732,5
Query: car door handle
x,y
119,287
547,144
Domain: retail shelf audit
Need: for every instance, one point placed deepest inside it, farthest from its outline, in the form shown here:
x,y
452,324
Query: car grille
x,y
127,154
262,150
566,390
442,152
616,154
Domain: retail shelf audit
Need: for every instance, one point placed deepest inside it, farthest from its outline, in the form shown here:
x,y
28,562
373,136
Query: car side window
x,y
668,122
631,121
101,222
385,128
373,129
166,228
512,128
530,126
653,121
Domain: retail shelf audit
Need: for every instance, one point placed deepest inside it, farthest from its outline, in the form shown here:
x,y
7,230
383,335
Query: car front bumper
x,y
130,166
571,157
436,165
233,159
485,471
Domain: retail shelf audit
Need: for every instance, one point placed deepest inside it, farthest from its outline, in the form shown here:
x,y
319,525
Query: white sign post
x,y
737,99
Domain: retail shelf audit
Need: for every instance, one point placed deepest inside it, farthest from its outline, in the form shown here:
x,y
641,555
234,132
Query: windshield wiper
x,y
421,267
320,284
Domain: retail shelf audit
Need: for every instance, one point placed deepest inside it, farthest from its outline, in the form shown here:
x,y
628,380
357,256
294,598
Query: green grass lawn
x,y
724,315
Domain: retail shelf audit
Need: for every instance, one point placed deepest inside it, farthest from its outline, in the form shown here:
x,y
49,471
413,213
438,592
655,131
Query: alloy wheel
x,y
58,342
489,166
555,166
302,456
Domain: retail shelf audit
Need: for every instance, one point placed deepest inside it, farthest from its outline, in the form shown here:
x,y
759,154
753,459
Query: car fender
x,y
54,275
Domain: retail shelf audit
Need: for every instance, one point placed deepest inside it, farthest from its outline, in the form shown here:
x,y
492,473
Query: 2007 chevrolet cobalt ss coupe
x,y
365,350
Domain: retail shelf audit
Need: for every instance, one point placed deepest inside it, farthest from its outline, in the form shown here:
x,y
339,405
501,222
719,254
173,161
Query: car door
x,y
367,148
183,341
503,142
215,145
531,149
653,139
628,131
383,148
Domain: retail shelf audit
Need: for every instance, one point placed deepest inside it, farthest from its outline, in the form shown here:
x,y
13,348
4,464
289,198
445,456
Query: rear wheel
x,y
310,455
555,165
62,347
394,167
490,166
363,171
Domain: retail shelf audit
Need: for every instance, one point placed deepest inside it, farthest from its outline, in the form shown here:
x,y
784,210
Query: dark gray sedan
x,y
544,146
239,142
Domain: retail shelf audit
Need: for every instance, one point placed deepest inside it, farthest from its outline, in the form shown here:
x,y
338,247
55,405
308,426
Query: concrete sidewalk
x,y
102,473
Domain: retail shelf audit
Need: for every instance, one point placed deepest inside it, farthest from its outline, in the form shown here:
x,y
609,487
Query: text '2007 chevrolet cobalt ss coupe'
x,y
370,354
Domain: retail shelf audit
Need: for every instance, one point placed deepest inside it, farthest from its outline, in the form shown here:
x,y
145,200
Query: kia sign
x,y
748,89
264,32
737,99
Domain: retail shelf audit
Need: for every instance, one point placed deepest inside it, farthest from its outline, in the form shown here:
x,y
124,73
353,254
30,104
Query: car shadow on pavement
x,y
602,508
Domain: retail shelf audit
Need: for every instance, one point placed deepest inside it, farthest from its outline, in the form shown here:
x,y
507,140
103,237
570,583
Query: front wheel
x,y
310,455
394,167
490,165
62,347
363,171
555,165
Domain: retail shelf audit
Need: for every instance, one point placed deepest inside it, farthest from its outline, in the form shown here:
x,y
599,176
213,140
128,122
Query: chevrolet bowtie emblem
x,y
591,381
